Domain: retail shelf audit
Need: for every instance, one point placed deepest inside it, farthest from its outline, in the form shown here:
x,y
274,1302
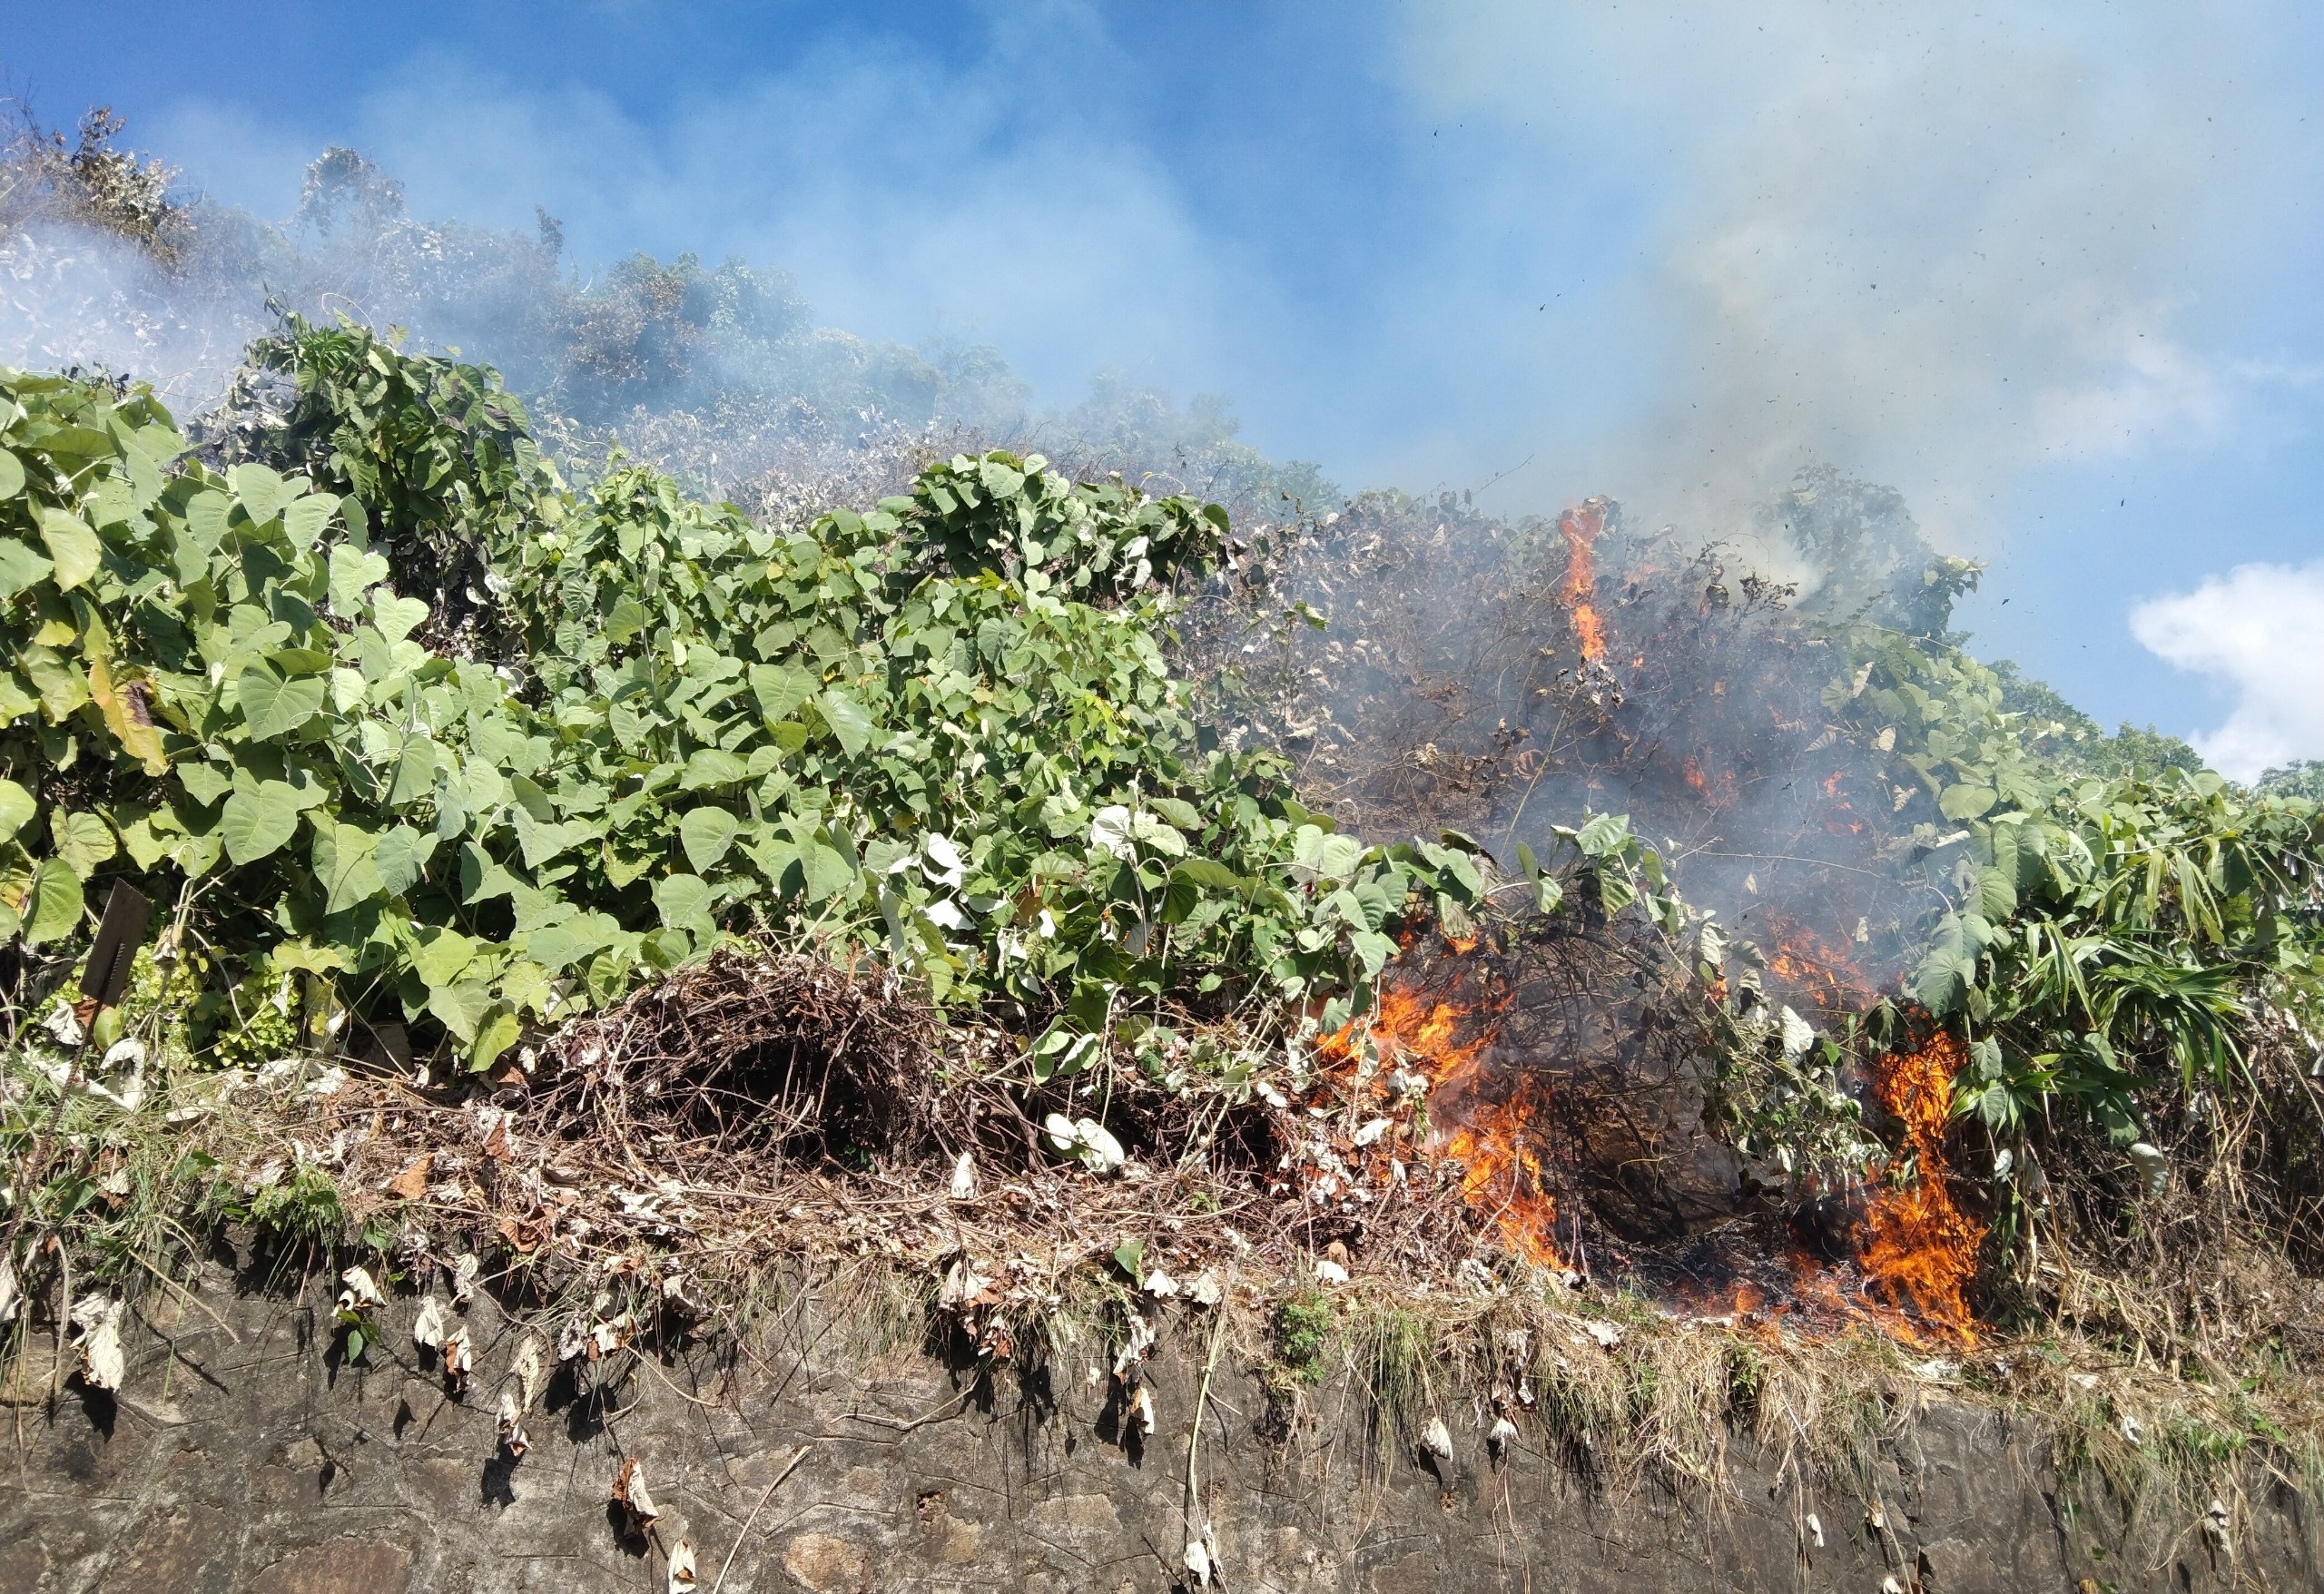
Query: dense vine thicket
x,y
942,728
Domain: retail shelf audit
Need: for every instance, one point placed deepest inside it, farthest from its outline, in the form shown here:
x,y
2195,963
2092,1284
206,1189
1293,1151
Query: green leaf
x,y
624,620
52,908
707,834
846,717
12,475
684,901
204,782
541,842
353,572
1210,874
272,706
780,688
461,1007
1318,856
73,546
1967,801
393,616
258,821
261,490
711,767
443,952
20,567
344,865
415,772
304,520
827,871
1603,834
17,806
495,1034
400,856
83,841
576,940
1178,810
1374,950
1997,893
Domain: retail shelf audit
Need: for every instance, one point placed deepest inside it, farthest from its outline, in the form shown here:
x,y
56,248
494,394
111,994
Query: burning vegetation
x,y
1000,870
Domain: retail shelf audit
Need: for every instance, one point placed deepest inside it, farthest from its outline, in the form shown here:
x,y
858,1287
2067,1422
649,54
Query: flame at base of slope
x,y
1485,1128
1920,1249
1916,1248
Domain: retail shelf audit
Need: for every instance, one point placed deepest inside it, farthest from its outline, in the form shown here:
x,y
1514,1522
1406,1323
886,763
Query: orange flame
x,y
1581,529
1806,963
1434,1037
1921,1248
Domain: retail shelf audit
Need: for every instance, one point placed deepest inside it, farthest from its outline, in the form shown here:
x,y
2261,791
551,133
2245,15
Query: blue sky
x,y
2050,270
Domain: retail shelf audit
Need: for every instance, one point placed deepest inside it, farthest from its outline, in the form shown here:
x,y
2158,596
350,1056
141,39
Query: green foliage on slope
x,y
2105,945
942,729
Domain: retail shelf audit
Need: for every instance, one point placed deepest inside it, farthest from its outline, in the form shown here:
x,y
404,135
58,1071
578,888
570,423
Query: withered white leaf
x,y
510,1425
964,1177
528,1368
1207,1290
962,1284
464,1279
1437,1439
11,1296
459,1360
1160,1284
1198,1563
1503,1435
1816,1528
98,1320
683,1575
362,1292
65,1025
630,1493
427,1327
1141,1405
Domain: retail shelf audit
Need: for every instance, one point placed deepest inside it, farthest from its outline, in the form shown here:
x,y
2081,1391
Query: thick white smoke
x,y
73,298
1933,250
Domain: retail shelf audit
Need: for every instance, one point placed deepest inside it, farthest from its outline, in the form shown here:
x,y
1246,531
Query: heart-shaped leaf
x,y
52,909
274,705
259,820
71,545
303,519
83,841
17,806
261,490
395,617
353,572
20,567
442,954
684,901
707,834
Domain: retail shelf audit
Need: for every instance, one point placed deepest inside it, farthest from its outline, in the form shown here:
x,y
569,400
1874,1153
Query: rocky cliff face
x,y
241,1455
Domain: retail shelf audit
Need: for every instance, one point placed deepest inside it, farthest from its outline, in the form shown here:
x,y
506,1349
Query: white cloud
x,y
2260,631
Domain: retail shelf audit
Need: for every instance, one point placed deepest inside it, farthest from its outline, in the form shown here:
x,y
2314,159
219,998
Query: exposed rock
x,y
279,1472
